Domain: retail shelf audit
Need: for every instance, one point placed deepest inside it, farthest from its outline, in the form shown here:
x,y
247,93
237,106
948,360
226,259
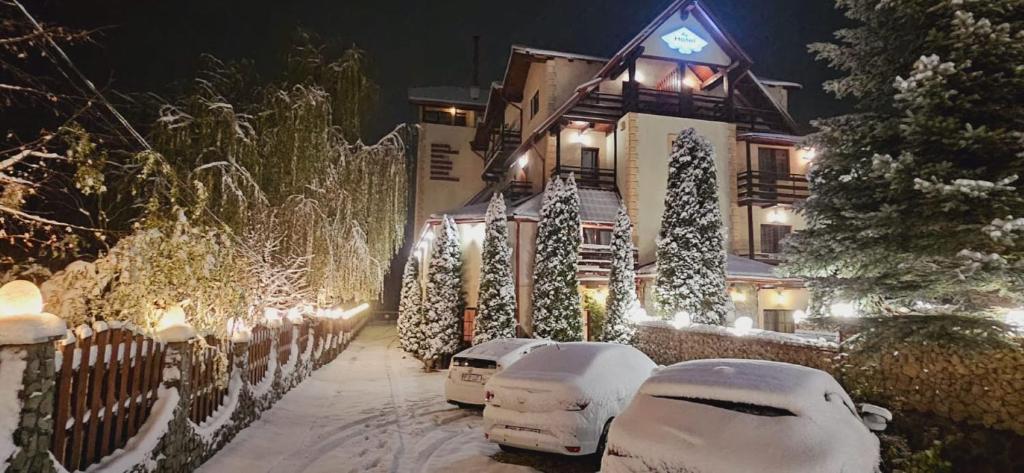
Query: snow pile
x,y
504,351
12,368
137,450
30,328
222,415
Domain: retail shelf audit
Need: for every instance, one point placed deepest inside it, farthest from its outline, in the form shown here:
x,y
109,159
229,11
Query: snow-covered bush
x,y
556,300
496,317
621,283
691,242
442,330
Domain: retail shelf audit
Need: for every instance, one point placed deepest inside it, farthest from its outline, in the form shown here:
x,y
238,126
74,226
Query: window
x,y
444,116
779,320
597,236
772,236
773,162
588,162
535,104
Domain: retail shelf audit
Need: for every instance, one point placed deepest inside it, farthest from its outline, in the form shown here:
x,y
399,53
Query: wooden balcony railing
x,y
768,188
590,178
503,141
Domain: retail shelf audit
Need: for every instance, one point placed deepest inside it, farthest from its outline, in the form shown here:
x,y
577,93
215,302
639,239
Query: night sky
x,y
149,45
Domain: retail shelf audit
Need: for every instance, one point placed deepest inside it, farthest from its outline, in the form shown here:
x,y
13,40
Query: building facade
x,y
610,123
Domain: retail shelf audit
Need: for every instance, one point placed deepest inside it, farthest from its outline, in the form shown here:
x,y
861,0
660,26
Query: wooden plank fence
x,y
211,367
284,343
259,353
106,385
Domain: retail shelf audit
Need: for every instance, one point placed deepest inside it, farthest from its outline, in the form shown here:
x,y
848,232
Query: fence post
x,y
29,363
179,453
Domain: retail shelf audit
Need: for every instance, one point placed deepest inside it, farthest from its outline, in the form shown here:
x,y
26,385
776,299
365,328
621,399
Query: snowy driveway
x,y
371,410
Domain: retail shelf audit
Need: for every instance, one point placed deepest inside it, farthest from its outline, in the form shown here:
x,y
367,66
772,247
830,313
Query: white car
x,y
717,416
561,397
471,368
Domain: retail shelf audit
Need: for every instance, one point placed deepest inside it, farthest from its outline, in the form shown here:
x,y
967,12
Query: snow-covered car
x,y
716,416
471,368
561,397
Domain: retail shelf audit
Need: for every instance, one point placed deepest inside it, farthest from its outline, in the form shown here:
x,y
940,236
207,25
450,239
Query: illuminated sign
x,y
684,41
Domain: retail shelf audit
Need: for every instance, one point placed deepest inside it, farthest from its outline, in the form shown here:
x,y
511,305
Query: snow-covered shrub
x,y
442,331
556,300
691,242
496,317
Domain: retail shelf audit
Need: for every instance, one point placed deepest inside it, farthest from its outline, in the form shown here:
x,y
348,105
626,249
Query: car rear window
x,y
752,409
475,363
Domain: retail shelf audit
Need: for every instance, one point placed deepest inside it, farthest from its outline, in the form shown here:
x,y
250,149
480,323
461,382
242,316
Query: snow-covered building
x,y
610,122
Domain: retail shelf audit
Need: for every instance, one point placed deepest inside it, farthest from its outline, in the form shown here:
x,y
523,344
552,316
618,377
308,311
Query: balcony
x,y
588,178
595,262
608,108
503,141
765,189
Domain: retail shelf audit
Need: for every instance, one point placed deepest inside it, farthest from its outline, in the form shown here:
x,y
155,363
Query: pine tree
x,y
916,201
621,283
691,244
410,309
442,330
556,300
497,315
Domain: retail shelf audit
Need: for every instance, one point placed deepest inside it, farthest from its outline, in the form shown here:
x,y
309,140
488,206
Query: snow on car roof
x,y
759,382
494,350
569,358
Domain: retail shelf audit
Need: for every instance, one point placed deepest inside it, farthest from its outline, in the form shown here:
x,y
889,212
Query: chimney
x,y
474,89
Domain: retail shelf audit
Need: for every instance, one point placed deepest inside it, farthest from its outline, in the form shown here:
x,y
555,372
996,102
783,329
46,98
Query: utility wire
x,y
60,52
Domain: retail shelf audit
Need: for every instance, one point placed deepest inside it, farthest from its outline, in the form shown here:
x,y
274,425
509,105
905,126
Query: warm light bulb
x,y
691,82
809,154
20,297
523,161
173,316
271,314
738,295
776,215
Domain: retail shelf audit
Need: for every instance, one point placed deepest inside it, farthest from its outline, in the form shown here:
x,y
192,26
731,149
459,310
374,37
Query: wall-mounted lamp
x,y
523,161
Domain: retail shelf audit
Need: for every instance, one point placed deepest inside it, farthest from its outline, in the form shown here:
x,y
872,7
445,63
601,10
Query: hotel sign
x,y
684,41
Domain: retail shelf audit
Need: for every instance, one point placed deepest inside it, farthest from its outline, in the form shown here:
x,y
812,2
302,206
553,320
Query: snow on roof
x,y
518,48
770,138
781,83
596,206
494,350
764,383
454,95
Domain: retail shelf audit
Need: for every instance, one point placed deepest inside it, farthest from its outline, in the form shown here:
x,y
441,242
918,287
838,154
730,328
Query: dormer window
x,y
535,104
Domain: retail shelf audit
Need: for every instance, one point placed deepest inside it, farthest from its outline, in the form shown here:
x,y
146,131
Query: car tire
x,y
509,448
602,441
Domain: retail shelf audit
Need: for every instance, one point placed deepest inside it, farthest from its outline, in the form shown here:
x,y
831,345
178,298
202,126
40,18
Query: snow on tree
x,y
691,245
556,300
916,199
410,308
621,283
497,304
442,328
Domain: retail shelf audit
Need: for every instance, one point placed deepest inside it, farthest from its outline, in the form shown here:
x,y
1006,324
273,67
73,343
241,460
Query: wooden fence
x,y
259,353
211,365
284,343
106,386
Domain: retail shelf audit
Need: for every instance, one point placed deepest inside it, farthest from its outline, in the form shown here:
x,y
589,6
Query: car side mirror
x,y
876,418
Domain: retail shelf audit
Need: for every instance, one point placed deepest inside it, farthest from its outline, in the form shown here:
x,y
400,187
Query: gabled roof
x,y
518,67
613,67
596,206
447,96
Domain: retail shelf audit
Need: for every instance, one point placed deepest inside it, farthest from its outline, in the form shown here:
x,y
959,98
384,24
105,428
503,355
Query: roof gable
x,y
679,38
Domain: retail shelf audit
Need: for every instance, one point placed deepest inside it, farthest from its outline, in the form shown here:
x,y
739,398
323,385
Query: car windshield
x,y
745,408
474,362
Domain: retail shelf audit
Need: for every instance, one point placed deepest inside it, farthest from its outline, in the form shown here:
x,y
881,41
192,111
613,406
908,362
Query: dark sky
x,y
152,43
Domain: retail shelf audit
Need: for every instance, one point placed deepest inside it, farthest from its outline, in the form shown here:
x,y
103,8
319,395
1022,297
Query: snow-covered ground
x,y
370,410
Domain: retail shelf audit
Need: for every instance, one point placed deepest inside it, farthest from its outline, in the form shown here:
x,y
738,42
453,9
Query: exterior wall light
x,y
809,154
776,215
691,82
523,161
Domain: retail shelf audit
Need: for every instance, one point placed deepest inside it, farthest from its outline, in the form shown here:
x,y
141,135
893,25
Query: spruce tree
x,y
556,300
621,283
691,244
497,304
916,196
442,330
410,309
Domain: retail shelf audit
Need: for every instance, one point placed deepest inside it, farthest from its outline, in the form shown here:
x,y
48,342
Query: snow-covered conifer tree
x,y
916,203
410,308
442,330
621,283
497,304
691,244
556,300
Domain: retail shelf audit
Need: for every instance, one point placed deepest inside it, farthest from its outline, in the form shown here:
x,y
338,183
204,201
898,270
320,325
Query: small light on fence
x,y
681,319
294,315
20,297
523,160
799,316
776,215
743,324
173,316
271,315
355,310
843,309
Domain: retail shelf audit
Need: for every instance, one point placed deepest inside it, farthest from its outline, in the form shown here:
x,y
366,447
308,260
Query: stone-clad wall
x,y
984,387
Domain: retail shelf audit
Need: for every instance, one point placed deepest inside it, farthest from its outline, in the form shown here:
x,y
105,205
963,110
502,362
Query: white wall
x,y
435,196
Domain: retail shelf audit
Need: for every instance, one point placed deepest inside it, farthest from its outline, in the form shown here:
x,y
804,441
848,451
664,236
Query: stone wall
x,y
983,387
